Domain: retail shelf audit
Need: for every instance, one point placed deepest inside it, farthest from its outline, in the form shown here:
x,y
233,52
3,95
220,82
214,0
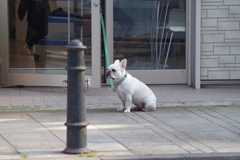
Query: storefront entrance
x,y
150,34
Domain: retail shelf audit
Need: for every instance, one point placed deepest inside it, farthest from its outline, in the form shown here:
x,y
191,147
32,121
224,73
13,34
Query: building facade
x,y
220,40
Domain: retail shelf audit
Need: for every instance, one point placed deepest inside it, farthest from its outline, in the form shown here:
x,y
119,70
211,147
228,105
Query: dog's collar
x,y
121,80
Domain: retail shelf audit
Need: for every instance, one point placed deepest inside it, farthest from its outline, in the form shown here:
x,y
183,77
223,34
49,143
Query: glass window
x,y
40,30
150,33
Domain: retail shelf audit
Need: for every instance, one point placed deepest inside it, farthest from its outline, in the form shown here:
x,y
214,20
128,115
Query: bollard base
x,y
75,150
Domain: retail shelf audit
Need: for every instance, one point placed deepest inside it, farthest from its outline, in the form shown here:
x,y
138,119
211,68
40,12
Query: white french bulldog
x,y
130,90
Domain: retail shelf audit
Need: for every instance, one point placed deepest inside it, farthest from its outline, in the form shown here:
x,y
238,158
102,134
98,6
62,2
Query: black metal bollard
x,y
76,110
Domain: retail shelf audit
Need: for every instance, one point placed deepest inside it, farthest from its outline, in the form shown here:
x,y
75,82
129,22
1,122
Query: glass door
x,y
151,35
39,30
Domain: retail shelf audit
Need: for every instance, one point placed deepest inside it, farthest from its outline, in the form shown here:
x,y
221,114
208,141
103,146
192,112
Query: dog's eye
x,y
113,70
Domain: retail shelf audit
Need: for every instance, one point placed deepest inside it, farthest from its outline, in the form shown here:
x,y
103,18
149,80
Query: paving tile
x,y
33,140
105,120
49,117
27,101
6,150
104,147
193,127
161,149
14,92
130,133
61,134
46,153
223,136
19,129
92,92
106,154
39,102
144,141
102,92
97,136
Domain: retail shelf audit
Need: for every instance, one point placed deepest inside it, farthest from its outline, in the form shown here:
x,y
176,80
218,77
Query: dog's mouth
x,y
108,75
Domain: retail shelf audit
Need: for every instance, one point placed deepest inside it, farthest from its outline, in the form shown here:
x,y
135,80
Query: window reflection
x,y
40,30
150,33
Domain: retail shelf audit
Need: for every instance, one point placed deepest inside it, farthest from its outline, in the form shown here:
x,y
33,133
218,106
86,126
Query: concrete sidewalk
x,y
209,129
173,133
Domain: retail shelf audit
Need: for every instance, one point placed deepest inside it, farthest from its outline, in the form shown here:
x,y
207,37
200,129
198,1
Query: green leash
x,y
119,82
105,47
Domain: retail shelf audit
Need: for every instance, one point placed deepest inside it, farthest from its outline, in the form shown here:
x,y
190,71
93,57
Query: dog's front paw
x,y
127,111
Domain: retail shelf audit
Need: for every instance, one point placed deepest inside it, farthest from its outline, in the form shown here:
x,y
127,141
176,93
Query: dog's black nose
x,y
108,74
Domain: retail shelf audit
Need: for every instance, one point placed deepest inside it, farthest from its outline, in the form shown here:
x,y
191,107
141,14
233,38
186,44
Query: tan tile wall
x,y
220,41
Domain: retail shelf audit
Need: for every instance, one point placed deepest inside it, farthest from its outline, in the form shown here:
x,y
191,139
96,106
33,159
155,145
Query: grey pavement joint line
x,y
112,138
166,133
45,127
179,138
10,144
227,120
209,116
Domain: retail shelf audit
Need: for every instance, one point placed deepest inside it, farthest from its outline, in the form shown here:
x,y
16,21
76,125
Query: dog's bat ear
x,y
117,61
124,63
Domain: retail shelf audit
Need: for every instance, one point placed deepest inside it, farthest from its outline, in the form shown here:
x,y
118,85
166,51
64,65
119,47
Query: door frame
x,y
4,42
173,76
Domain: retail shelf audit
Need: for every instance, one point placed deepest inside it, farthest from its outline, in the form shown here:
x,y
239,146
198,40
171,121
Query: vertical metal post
x,y
96,43
76,110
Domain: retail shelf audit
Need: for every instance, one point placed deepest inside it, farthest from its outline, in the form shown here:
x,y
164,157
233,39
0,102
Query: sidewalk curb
x,y
200,156
112,105
174,104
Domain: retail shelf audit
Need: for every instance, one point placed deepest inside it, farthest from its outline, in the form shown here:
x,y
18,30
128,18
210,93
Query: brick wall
x,y
220,41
